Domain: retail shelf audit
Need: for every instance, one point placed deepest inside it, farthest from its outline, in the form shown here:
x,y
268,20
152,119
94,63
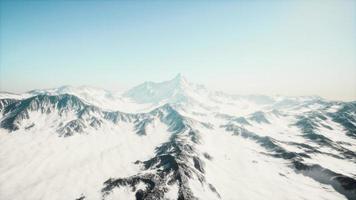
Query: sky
x,y
272,47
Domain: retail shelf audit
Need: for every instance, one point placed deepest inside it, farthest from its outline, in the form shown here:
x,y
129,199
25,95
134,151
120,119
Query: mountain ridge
x,y
185,142
174,91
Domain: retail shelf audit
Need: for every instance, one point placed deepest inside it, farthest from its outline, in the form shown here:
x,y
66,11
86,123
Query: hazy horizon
x,y
121,91
291,48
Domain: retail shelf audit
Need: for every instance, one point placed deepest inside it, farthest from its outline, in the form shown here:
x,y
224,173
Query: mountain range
x,y
174,140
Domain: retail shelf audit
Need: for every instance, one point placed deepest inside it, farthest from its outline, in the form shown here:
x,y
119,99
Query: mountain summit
x,y
180,80
180,142
171,91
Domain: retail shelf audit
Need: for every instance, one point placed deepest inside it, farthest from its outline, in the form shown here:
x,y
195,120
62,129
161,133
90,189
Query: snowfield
x,y
174,140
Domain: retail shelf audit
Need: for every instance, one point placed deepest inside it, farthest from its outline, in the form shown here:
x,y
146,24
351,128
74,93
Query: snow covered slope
x,y
174,140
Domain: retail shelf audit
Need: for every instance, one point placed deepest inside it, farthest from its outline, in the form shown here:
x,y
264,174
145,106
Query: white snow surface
x,y
37,164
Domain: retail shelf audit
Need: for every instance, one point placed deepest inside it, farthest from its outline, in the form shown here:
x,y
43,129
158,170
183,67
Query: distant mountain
x,y
174,90
174,140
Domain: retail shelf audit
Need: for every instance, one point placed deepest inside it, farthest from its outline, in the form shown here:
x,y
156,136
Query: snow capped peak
x,y
175,140
75,90
178,82
92,95
174,90
180,79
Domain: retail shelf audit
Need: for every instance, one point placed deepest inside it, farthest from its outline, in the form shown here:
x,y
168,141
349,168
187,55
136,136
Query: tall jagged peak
x,y
180,79
174,90
179,82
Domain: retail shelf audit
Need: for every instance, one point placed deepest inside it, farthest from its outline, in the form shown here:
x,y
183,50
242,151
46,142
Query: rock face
x,y
191,144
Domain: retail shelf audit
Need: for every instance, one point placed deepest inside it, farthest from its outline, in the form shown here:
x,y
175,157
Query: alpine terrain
x,y
174,140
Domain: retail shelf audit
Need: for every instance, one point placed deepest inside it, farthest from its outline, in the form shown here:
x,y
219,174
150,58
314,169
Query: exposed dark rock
x,y
141,126
74,126
30,126
213,189
346,117
341,183
175,162
5,102
309,127
82,197
95,122
241,120
118,116
17,110
198,164
259,117
268,143
207,156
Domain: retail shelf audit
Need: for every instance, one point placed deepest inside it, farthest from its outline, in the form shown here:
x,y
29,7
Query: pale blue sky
x,y
304,47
